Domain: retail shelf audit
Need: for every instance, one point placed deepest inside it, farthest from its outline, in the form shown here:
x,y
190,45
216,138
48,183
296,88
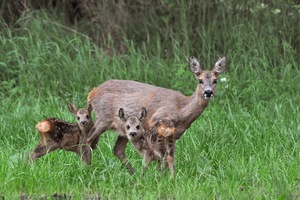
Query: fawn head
x,y
83,115
165,127
133,124
207,79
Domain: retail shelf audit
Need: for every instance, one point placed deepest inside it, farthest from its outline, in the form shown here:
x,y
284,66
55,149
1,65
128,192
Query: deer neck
x,y
193,106
139,142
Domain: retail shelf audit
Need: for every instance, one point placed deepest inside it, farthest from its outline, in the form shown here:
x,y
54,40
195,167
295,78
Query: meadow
x,y
245,145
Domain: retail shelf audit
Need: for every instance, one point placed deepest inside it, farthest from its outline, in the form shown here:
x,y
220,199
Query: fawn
x,y
161,103
58,134
156,143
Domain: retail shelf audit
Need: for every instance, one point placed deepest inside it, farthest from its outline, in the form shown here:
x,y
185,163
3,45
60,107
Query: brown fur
x,y
58,134
161,103
161,142
157,143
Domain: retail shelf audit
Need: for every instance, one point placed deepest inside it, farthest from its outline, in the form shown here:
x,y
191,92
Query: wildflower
x,y
223,79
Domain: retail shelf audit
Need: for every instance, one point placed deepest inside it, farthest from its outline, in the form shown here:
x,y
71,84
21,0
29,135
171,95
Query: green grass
x,y
244,146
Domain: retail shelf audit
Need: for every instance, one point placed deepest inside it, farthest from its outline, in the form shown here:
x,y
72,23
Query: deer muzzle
x,y
132,134
208,94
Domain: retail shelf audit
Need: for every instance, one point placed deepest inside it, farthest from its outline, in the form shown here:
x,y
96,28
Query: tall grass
x,y
244,146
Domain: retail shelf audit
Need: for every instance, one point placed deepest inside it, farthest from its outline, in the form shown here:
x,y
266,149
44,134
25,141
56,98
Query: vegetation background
x,y
244,146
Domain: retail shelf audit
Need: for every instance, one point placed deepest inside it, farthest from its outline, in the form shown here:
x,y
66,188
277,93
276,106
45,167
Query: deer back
x,y
56,129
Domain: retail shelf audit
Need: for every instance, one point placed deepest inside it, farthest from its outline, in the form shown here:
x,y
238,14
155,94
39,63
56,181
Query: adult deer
x,y
161,103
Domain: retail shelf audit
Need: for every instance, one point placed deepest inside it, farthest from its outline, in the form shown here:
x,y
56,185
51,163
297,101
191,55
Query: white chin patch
x,y
129,137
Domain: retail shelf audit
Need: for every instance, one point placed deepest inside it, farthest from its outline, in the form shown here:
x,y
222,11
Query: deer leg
x,y
119,152
72,148
170,161
43,149
145,164
92,138
159,166
170,154
95,141
148,156
90,141
85,153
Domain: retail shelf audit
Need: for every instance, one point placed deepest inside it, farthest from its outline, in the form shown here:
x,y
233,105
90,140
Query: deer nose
x,y
83,123
132,134
208,93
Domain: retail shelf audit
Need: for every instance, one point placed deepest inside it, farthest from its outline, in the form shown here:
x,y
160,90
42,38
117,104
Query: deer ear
x,y
194,66
220,65
122,114
143,114
73,109
89,108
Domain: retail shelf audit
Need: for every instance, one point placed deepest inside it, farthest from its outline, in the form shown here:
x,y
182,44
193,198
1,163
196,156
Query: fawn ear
x,y
73,109
220,65
122,115
194,66
89,108
143,114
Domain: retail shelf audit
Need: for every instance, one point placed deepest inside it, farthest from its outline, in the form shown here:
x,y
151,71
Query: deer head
x,y
207,79
133,124
83,115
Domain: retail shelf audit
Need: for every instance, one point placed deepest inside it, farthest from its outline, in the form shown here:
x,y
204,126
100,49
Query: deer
x,y
162,142
58,134
156,143
161,103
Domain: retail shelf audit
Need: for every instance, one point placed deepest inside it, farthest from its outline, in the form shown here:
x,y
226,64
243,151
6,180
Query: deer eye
x,y
87,116
215,81
200,81
138,127
78,118
127,127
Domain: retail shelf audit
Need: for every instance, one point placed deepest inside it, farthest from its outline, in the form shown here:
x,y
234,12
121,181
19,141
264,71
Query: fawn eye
x,y
200,81
138,127
87,116
127,127
215,81
78,118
